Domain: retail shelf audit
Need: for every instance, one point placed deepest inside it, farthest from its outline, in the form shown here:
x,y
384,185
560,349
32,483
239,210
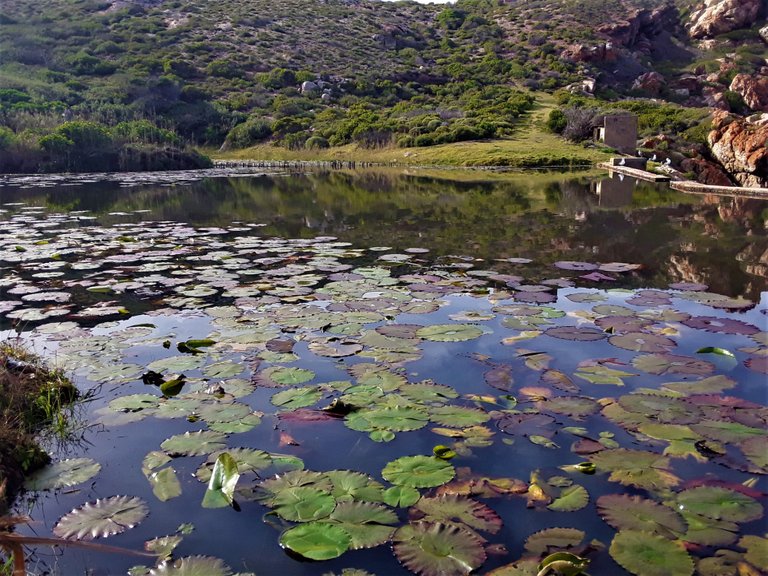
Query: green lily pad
x,y
316,540
194,443
297,397
711,385
571,498
303,504
756,450
401,496
134,403
418,471
720,504
635,468
369,525
224,369
192,566
393,419
574,406
294,479
449,332
104,517
601,374
458,416
163,546
625,512
165,484
452,508
283,376
63,473
647,554
177,364
427,392
436,549
349,485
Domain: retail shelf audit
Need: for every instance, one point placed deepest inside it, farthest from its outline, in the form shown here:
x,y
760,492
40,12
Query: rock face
x,y
720,16
651,83
706,172
741,147
753,89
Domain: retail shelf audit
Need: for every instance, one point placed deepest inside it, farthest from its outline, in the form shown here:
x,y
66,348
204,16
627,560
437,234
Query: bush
x,y
556,121
248,133
316,143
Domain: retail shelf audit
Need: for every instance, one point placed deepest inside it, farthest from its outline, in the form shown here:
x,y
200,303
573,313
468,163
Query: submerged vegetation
x,y
32,397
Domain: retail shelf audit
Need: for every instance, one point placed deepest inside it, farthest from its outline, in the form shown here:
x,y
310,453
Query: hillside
x,y
312,74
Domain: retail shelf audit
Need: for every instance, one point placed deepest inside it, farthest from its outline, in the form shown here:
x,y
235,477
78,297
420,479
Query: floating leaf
x,y
551,539
349,485
757,551
194,443
192,566
458,416
635,468
221,487
526,424
452,509
368,524
577,266
721,325
316,540
642,342
646,554
714,350
63,473
418,471
436,549
401,496
449,332
571,499
102,518
663,364
574,406
576,333
297,397
165,484
625,512
720,504
303,504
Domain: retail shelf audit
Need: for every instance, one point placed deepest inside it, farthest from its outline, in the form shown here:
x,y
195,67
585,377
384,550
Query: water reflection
x,y
544,217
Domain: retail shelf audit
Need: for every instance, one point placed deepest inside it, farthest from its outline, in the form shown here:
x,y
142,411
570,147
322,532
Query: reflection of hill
x,y
676,237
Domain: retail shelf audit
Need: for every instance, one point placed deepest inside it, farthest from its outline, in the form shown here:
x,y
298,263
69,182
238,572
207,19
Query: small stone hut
x,y
619,131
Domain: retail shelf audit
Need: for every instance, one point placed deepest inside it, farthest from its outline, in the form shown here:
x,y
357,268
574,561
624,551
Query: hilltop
x,y
308,75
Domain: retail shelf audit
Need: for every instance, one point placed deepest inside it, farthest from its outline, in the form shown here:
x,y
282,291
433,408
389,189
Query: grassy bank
x,y
31,398
531,146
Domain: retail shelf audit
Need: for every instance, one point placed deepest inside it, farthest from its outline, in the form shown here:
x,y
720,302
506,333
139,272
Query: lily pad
x,y
449,332
418,471
635,468
192,566
625,512
297,397
104,517
452,508
458,416
194,443
303,504
316,540
576,333
571,498
436,549
647,554
720,504
63,473
721,325
553,539
221,487
642,342
664,364
368,524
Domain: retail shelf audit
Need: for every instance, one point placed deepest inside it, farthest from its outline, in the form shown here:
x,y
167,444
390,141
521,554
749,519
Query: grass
x,y
32,397
530,147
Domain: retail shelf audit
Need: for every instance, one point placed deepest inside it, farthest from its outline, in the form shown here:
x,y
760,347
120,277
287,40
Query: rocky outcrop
x,y
753,89
741,146
640,26
720,16
651,83
764,34
706,172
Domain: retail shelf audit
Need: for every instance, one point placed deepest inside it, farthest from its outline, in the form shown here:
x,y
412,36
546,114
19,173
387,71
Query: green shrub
x,y
316,143
248,133
556,121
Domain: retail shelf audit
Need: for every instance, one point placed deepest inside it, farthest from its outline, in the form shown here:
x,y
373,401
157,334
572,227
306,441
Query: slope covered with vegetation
x,y
151,76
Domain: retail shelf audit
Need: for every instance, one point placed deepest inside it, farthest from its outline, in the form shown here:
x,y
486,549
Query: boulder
x,y
720,16
741,147
764,33
651,83
309,87
706,172
753,89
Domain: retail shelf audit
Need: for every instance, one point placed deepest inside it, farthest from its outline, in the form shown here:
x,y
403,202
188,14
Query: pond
x,y
388,372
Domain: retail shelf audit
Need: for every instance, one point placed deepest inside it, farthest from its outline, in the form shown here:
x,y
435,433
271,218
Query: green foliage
x,y
248,133
556,121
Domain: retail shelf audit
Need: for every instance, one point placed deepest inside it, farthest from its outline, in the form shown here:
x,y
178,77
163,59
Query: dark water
x,y
473,220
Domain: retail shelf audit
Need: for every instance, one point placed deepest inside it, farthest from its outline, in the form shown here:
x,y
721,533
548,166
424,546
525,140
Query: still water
x,y
508,318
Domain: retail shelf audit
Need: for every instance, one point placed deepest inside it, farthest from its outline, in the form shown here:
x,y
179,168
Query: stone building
x,y
619,131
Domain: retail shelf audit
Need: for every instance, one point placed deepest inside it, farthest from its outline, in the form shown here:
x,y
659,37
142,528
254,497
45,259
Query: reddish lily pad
x,y
453,508
642,342
721,325
576,266
576,333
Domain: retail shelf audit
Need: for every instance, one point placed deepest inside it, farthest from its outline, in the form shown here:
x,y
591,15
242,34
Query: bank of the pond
x,y
31,396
